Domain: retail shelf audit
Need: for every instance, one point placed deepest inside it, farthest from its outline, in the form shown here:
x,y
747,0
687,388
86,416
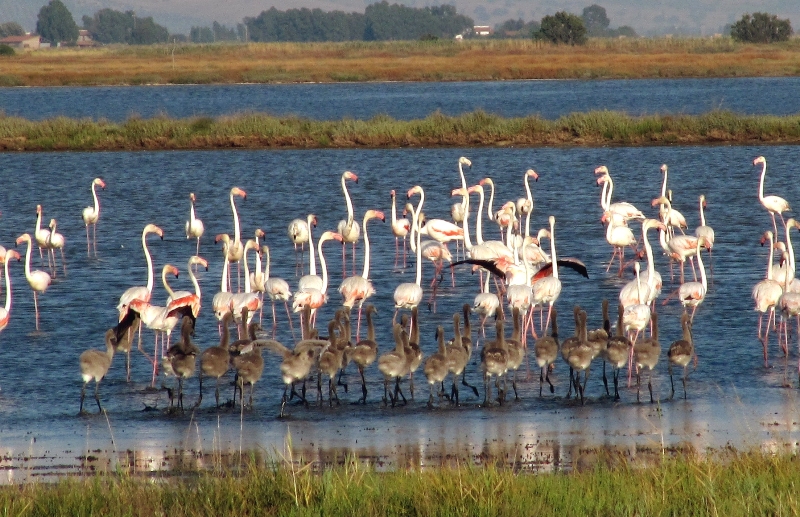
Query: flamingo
x,y
312,280
766,294
298,232
236,248
547,289
38,280
408,294
277,289
91,216
630,293
678,247
221,303
637,316
55,241
623,208
459,210
348,228
142,293
359,288
439,230
316,298
499,247
789,305
773,204
194,226
5,311
400,229
41,235
248,299
180,299
619,236
672,218
692,294
525,204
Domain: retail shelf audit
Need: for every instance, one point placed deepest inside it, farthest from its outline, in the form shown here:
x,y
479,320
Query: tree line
x,y
380,22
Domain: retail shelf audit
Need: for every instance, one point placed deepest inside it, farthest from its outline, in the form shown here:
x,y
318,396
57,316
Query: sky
x,y
647,17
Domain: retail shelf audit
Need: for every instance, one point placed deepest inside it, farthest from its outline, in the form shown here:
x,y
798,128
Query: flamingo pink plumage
x,y
91,214
38,280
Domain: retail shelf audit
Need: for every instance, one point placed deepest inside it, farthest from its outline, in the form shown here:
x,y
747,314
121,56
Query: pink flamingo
x,y
91,214
623,208
766,294
55,241
316,298
41,235
299,234
459,211
38,280
400,229
312,280
194,226
248,299
547,289
773,204
692,294
672,218
5,311
348,228
139,292
408,294
277,289
359,288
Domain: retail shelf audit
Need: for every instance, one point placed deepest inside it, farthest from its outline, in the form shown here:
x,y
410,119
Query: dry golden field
x,y
398,61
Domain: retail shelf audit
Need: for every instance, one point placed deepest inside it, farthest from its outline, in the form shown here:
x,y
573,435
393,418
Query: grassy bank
x,y
436,130
398,61
726,484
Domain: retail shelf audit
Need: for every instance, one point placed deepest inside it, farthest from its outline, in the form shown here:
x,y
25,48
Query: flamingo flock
x,y
519,276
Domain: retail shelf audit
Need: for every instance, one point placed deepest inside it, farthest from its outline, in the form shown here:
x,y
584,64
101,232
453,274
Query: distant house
x,y
28,41
85,39
482,30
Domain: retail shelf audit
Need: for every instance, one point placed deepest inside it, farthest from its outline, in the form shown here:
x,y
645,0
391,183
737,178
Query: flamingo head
x,y
703,201
350,176
331,235
653,223
601,170
603,179
552,221
250,245
486,181
476,188
196,259
260,233
54,223
224,237
416,189
543,233
464,161
375,214
191,197
38,209
25,237
459,192
532,174
766,237
100,183
759,160
236,191
660,201
265,250
791,222
393,194
173,270
510,207
10,254
151,228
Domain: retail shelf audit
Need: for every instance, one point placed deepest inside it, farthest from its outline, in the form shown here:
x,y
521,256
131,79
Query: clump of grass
x,y
725,483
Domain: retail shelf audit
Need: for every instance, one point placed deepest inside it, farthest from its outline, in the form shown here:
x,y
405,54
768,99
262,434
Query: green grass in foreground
x,y
472,129
728,484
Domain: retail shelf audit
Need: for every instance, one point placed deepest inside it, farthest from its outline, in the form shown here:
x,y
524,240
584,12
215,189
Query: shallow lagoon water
x,y
733,399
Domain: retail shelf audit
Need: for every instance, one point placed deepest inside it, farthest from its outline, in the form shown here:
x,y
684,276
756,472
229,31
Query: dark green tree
x,y
11,29
147,32
201,35
515,29
55,23
110,26
761,28
562,27
596,21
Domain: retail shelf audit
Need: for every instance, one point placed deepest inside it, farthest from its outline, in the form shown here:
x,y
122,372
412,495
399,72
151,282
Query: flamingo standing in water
x,y
359,288
459,210
194,226
773,204
672,218
248,299
299,234
236,248
5,311
312,280
348,228
692,294
41,235
55,241
678,247
277,289
766,294
316,298
400,229
547,289
91,214
623,208
139,292
38,280
408,294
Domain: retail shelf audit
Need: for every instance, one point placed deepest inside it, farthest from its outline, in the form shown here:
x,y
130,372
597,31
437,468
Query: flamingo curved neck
x,y
149,263
348,201
365,274
478,228
192,218
664,183
553,258
167,288
702,215
464,202
464,223
266,267
790,251
414,222
236,230
224,283
650,264
761,183
394,210
8,288
609,193
247,286
323,266
529,197
604,204
771,256
703,279
194,281
97,201
313,260
491,201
